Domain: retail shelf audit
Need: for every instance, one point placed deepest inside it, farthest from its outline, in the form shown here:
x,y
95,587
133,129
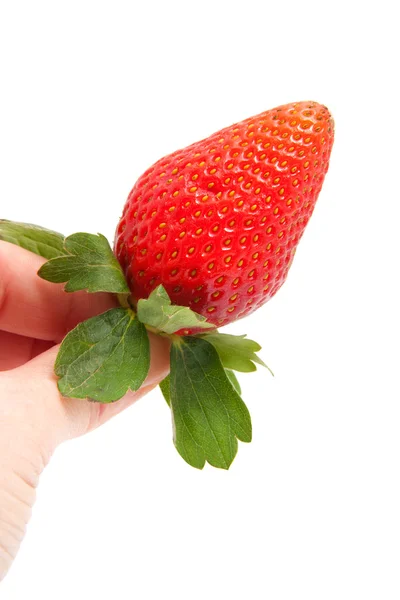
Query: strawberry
x,y
206,237
218,223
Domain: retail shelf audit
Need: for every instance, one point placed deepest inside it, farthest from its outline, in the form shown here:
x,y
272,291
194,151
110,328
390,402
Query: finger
x,y
32,307
16,350
58,418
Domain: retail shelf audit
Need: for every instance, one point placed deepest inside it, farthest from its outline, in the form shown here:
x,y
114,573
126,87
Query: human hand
x,y
34,418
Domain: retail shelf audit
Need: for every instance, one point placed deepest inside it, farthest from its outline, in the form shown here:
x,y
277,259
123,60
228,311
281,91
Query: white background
x,y
92,93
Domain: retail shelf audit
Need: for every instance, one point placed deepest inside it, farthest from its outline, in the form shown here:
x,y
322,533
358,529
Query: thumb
x,y
34,419
57,418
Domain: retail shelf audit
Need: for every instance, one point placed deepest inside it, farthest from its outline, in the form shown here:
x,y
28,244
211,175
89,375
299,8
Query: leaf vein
x,y
202,409
78,358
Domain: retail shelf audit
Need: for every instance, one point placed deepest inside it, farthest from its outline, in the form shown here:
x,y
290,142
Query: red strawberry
x,y
218,222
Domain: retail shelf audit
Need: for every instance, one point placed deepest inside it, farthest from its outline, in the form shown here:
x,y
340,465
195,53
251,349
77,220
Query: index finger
x,y
36,308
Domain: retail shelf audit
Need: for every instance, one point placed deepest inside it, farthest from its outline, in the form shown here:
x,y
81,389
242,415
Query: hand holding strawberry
x,y
207,236
34,417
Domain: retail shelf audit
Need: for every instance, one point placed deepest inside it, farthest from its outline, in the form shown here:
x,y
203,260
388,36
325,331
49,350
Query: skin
x,y
35,315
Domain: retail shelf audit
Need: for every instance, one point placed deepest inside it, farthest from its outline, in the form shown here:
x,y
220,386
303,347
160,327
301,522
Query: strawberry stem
x,y
124,301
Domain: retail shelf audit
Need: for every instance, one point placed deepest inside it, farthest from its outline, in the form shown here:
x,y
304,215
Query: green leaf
x,y
233,379
38,240
165,388
104,357
158,312
236,351
165,385
208,414
89,264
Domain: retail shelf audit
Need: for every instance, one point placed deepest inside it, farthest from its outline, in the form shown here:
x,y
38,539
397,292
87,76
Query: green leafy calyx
x,y
236,352
88,263
158,312
209,415
104,357
38,240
